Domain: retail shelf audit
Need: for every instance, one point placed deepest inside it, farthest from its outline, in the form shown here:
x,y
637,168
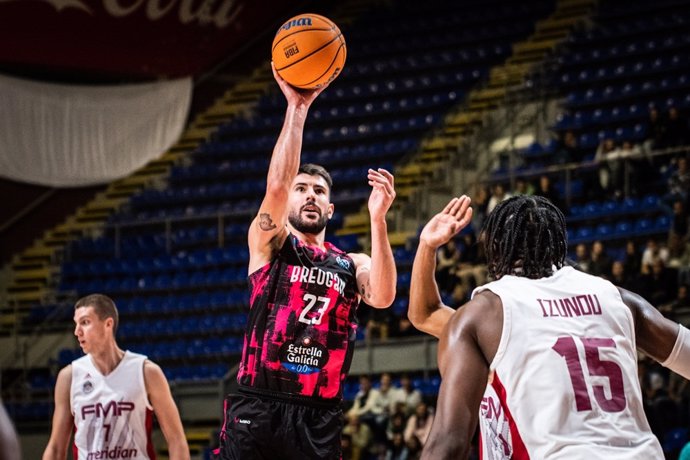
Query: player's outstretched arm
x,y
63,421
464,371
426,310
158,391
377,275
662,339
268,231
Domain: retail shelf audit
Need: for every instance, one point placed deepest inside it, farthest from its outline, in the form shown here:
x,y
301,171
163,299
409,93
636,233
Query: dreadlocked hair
x,y
525,236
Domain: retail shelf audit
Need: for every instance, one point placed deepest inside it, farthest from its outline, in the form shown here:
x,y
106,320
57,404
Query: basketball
x,y
308,51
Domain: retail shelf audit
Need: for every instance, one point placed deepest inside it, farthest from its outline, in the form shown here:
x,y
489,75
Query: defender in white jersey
x,y
108,397
557,347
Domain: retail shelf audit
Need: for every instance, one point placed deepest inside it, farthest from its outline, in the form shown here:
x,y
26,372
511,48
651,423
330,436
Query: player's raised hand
x,y
446,224
382,193
294,95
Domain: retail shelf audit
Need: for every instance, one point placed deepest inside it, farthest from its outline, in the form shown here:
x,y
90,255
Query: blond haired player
x,y
108,397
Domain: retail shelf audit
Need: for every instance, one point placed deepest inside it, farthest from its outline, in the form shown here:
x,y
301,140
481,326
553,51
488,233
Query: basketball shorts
x,y
261,428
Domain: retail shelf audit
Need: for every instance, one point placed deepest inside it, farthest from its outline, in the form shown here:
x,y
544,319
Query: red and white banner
x,y
130,38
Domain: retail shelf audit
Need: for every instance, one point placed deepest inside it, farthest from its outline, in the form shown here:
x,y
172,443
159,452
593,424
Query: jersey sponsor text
x,y
301,274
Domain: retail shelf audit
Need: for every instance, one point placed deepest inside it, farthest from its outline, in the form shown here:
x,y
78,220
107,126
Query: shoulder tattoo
x,y
265,222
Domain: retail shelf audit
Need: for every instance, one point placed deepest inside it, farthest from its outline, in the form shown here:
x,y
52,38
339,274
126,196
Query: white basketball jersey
x,y
112,414
564,382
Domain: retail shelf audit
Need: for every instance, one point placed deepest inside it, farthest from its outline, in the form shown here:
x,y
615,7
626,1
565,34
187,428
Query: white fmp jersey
x,y
564,381
112,414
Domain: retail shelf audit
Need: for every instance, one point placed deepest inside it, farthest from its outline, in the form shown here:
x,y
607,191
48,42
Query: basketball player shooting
x,y
301,329
107,398
557,346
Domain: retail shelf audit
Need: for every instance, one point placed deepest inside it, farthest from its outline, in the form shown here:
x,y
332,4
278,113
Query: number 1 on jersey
x,y
310,301
596,367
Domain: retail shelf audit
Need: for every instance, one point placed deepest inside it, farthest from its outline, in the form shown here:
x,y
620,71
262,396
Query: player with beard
x,y
302,324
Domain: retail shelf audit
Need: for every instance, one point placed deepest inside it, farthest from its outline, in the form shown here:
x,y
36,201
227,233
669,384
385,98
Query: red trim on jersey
x,y
519,449
150,449
75,450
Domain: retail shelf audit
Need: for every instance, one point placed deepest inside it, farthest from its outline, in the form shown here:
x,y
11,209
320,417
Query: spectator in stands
x,y
360,437
480,204
407,394
377,322
582,258
653,252
498,194
656,130
470,270
678,184
9,443
448,256
397,421
619,277
384,400
418,428
659,284
599,261
567,151
523,187
682,301
546,189
365,399
402,327
607,161
676,133
678,233
397,450
632,260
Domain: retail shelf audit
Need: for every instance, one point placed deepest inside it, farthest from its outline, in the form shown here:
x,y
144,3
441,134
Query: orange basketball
x,y
309,51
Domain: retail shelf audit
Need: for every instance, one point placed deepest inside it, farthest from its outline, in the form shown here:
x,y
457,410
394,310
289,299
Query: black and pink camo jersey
x,y
302,325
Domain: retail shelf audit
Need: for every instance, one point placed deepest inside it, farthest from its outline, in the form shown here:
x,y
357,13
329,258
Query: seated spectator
x,y
678,234
582,257
599,261
365,407
676,133
632,261
546,189
681,302
447,258
480,203
659,284
567,151
360,438
620,278
656,130
397,421
402,327
523,187
653,252
470,268
418,428
498,194
397,450
608,166
678,184
408,395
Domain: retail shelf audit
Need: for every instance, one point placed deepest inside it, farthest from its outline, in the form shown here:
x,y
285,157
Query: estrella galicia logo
x,y
305,358
87,387
343,262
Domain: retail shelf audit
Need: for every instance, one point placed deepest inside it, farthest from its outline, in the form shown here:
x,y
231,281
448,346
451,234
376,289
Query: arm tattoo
x,y
265,222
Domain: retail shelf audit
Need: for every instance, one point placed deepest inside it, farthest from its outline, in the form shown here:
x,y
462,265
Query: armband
x,y
679,359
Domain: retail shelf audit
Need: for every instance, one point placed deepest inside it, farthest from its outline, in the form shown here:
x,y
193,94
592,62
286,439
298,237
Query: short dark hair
x,y
525,236
102,305
316,170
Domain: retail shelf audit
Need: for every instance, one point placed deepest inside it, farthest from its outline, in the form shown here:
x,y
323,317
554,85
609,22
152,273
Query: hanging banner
x,y
130,38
